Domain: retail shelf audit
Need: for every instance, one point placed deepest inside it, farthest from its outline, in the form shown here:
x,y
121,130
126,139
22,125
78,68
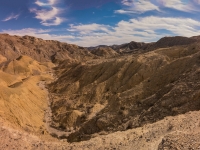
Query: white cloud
x,y
88,28
139,6
121,11
49,16
127,2
146,29
141,30
44,14
178,26
181,5
48,3
197,1
40,33
11,16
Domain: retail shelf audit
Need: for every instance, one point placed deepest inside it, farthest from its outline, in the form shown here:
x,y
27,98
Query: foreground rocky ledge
x,y
179,132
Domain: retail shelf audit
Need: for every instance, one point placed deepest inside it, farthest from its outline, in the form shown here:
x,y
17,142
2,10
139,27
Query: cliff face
x,y
100,91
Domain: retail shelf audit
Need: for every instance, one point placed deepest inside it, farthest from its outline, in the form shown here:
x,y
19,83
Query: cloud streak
x,y
89,28
144,29
48,13
48,3
139,6
142,6
179,5
40,33
11,16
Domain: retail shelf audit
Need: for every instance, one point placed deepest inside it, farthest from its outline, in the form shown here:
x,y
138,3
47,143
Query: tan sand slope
x,y
22,101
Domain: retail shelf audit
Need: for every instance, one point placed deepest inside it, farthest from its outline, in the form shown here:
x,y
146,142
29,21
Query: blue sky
x,y
97,22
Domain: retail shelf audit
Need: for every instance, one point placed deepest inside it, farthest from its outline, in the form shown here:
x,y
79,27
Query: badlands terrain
x,y
142,96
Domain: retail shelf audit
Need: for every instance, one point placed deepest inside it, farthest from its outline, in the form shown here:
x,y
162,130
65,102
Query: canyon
x,y
55,95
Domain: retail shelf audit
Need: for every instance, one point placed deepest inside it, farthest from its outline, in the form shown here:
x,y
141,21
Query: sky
x,y
100,22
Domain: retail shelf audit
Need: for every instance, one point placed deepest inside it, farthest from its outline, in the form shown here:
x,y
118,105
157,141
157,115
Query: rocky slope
x,y
114,99
22,100
12,47
179,132
104,52
127,92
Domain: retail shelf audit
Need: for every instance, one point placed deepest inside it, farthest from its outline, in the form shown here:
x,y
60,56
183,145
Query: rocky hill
x,y
141,47
144,96
104,52
126,92
174,41
12,47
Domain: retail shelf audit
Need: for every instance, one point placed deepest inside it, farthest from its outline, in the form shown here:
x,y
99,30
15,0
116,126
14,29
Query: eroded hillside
x,y
13,47
22,99
114,96
108,95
